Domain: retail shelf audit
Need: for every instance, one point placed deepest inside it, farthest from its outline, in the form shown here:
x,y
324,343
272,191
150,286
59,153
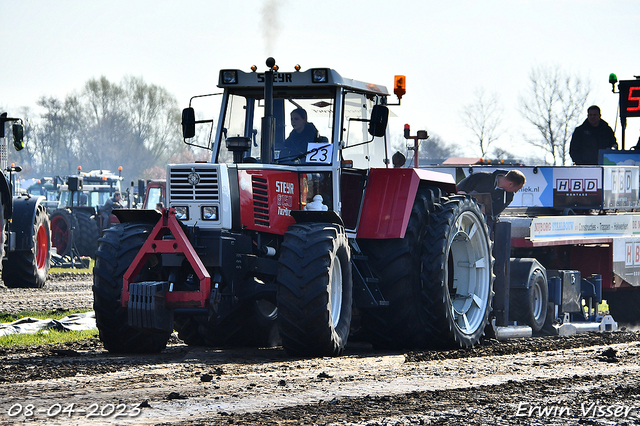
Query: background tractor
x,y
76,221
25,240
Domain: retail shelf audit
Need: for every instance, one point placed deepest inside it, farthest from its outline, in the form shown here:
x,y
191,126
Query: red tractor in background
x,y
155,193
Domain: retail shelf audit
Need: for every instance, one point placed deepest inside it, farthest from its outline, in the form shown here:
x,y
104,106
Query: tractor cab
x,y
308,118
323,133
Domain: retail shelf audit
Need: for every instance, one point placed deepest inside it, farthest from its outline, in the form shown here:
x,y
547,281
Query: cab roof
x,y
296,79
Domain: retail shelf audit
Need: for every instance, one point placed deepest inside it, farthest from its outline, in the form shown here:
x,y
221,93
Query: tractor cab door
x,y
361,149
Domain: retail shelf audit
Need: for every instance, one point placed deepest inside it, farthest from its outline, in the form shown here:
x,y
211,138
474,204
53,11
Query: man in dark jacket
x,y
107,208
303,132
501,185
590,137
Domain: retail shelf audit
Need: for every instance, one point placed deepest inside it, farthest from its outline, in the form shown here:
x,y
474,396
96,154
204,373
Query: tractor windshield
x,y
303,128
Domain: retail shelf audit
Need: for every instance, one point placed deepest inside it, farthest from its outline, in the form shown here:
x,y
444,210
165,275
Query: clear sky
x,y
446,49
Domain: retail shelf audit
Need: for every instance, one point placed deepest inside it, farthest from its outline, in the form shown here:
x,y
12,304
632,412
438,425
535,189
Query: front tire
x,y
314,289
116,251
30,268
457,275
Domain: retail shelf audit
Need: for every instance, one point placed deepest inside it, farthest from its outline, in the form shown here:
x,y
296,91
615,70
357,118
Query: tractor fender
x,y
91,211
389,197
6,198
24,215
302,216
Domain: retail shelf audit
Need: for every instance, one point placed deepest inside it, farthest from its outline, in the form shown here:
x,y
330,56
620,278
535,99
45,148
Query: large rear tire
x,y
30,268
87,234
116,250
396,263
314,289
457,275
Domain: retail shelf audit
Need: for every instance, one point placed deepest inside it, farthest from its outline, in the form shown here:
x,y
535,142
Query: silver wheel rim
x,y
537,301
470,282
335,291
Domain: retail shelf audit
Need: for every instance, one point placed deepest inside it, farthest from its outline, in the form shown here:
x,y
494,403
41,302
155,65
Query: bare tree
x,y
132,124
553,105
108,129
155,120
58,135
484,118
436,148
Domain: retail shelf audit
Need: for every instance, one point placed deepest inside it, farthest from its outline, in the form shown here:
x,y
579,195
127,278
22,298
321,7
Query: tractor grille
x,y
260,201
206,188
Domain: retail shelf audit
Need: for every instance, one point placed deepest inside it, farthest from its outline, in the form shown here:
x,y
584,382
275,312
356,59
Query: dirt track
x,y
63,291
587,379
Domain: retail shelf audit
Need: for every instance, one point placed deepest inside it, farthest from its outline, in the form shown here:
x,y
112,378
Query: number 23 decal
x,y
319,153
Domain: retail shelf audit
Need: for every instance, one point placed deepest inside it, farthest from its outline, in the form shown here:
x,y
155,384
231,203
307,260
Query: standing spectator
x,y
107,208
590,137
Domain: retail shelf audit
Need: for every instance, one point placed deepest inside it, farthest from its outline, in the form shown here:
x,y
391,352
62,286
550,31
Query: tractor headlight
x,y
319,75
182,212
209,212
229,76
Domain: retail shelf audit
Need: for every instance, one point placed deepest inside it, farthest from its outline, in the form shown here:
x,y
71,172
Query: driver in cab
x,y
303,133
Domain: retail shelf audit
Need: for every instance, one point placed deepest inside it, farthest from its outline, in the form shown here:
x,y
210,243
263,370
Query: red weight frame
x,y
181,245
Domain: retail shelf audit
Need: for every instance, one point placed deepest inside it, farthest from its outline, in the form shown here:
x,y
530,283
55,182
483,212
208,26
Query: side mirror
x,y
188,123
18,136
378,121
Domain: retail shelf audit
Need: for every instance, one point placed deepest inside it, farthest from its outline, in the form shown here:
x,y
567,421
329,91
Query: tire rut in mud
x,y
502,404
492,347
88,357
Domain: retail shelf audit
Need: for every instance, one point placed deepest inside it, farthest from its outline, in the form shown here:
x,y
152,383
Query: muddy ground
x,y
588,379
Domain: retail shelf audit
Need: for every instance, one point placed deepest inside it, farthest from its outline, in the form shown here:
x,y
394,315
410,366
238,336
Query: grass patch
x,y
44,336
47,337
54,313
58,270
